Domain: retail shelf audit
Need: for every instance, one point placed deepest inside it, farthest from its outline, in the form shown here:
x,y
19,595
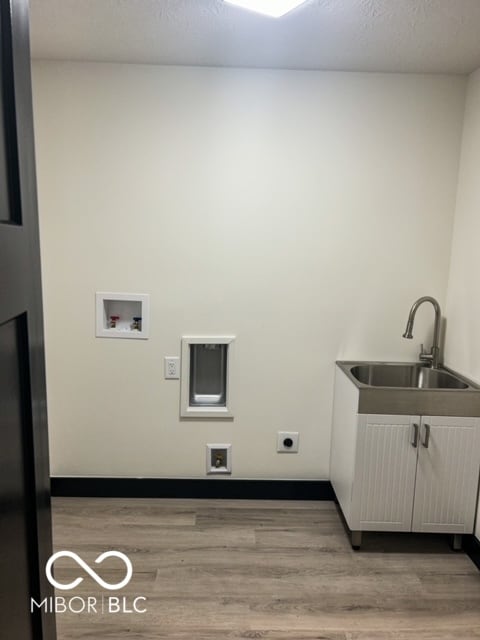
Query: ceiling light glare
x,y
272,8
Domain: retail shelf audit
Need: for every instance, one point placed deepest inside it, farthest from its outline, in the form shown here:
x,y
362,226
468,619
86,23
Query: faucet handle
x,y
425,356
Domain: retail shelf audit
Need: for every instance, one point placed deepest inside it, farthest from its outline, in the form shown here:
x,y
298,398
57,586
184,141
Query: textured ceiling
x,y
364,35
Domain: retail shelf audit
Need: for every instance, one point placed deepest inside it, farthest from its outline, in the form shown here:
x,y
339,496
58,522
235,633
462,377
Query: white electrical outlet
x,y
172,367
287,442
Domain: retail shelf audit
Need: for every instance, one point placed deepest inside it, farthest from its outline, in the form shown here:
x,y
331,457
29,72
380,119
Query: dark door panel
x,y
25,526
10,207
19,572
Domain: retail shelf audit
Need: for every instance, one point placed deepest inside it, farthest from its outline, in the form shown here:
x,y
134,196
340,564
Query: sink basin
x,y
413,389
412,376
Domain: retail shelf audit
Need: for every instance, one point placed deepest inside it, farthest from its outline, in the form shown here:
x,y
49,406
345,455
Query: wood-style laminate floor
x,y
214,569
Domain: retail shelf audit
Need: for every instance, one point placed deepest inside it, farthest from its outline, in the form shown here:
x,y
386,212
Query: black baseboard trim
x,y
471,546
192,488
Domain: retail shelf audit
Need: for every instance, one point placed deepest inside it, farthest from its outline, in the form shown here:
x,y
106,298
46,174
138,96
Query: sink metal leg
x,y
356,540
457,542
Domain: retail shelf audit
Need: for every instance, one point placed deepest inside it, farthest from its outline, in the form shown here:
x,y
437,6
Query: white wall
x,y
463,302
302,211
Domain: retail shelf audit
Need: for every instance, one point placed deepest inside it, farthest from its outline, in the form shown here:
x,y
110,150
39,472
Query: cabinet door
x,y
447,475
384,483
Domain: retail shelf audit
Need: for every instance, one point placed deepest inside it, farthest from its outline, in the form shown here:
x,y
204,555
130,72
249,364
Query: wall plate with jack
x,y
219,458
172,367
287,442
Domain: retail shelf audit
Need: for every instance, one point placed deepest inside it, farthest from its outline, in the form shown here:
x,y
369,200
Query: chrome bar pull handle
x,y
414,439
426,438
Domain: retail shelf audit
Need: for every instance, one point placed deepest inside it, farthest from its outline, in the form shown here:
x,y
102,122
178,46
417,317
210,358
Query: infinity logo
x,y
87,569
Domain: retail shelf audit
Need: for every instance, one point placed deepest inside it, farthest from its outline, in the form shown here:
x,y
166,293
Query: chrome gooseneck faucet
x,y
433,356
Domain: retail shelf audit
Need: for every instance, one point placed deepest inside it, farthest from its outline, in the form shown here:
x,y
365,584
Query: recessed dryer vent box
x,y
122,315
206,386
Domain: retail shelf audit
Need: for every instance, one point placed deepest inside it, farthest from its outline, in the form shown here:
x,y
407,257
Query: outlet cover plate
x,y
172,367
283,441
225,453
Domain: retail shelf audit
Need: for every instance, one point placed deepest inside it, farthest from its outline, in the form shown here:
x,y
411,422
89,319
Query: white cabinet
x,y
447,475
384,479
403,472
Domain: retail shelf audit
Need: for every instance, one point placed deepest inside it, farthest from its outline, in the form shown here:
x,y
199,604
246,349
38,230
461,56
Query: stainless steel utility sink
x,y
415,376
411,389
